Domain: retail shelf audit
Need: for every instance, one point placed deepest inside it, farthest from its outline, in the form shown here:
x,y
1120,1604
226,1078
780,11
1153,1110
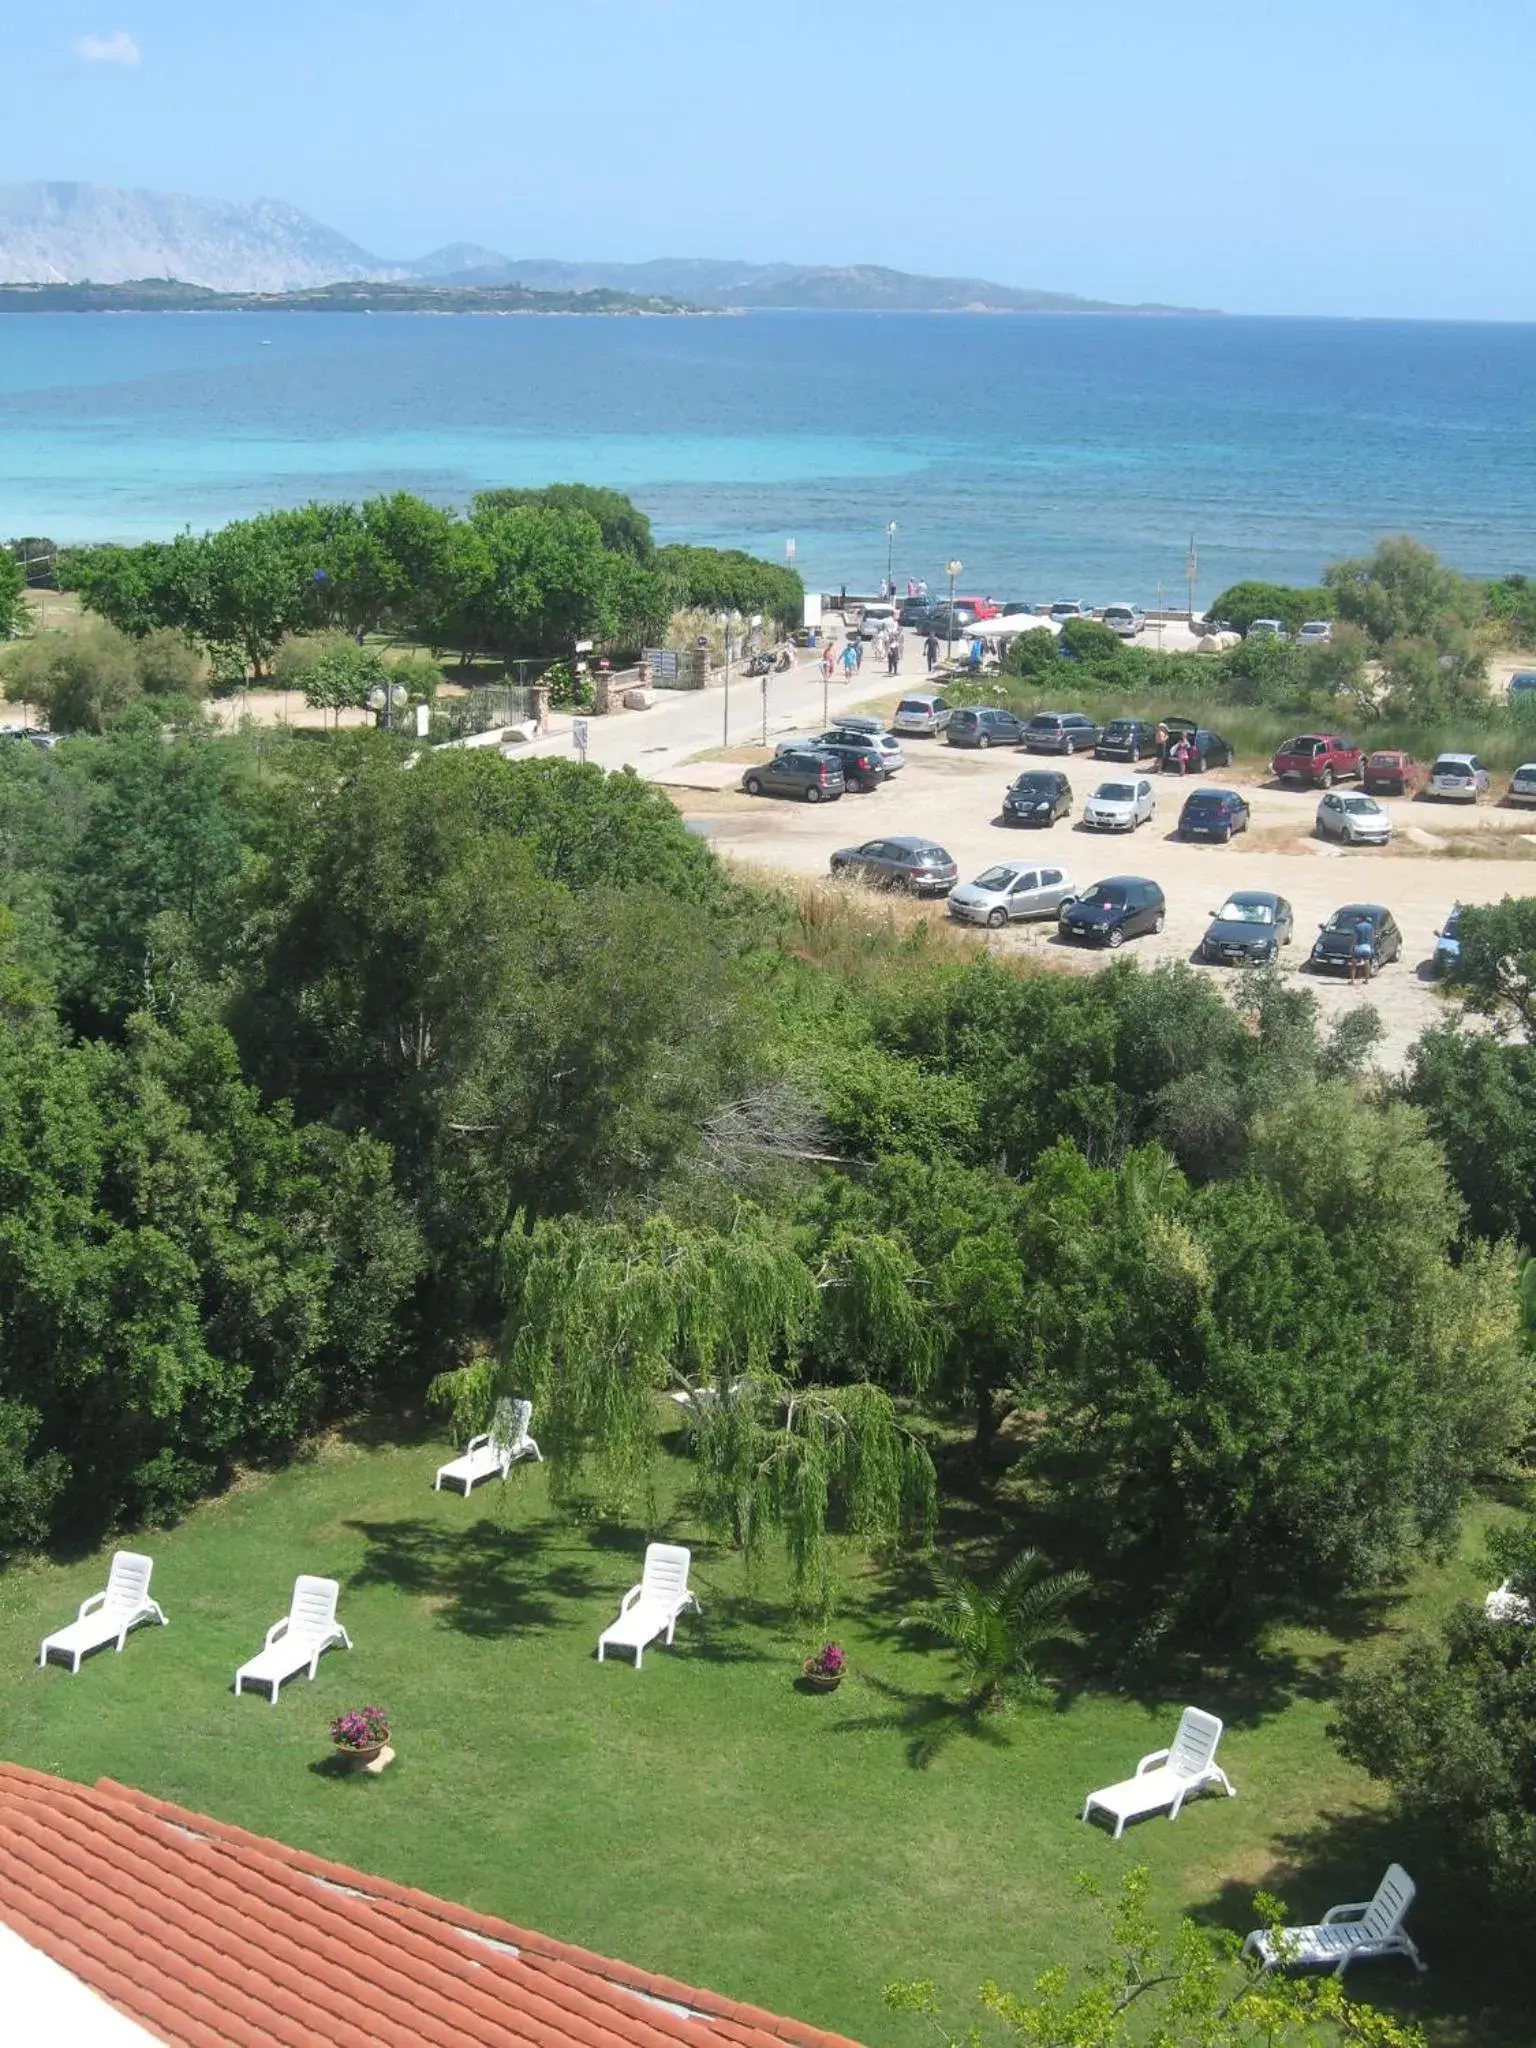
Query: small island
x,y
168,295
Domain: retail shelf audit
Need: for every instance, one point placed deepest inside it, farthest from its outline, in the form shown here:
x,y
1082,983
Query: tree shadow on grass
x,y
1481,1986
488,1579
931,1721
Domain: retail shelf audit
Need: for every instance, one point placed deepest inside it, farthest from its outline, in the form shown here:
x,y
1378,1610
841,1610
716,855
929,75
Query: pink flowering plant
x,y
363,1728
828,1662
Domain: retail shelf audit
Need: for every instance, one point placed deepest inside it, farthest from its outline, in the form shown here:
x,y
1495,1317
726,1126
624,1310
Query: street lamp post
x,y
1191,565
953,570
890,549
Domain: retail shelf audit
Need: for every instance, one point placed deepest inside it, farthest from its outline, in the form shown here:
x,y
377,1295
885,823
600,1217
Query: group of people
x,y
888,642
1183,754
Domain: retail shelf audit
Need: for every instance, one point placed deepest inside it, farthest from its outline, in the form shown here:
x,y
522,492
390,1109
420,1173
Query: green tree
x,y
603,1317
1446,1722
82,682
1034,656
1402,591
624,528
726,580
1090,641
339,676
1241,603
998,1629
1495,966
13,611
168,665
1478,1096
1189,1990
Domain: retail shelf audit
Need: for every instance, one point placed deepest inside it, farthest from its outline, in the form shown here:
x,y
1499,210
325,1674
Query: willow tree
x,y
602,1318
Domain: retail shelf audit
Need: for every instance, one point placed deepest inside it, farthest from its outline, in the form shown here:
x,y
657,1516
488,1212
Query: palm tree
x,y
997,1629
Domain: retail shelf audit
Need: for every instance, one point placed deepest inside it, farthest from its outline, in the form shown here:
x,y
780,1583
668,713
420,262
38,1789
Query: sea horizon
x,y
1046,450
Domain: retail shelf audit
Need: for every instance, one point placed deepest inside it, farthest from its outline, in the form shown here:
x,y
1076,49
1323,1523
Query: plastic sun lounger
x,y
1167,1777
652,1608
301,1638
109,1614
1356,1933
497,1451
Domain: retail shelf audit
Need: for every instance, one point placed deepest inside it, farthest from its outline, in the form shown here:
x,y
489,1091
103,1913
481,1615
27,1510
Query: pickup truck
x,y
1319,758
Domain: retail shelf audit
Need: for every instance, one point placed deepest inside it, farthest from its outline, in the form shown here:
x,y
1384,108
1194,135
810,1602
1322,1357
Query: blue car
x,y
1448,943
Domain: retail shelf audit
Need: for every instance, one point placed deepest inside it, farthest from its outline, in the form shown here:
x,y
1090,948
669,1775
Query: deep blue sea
x,y
1052,456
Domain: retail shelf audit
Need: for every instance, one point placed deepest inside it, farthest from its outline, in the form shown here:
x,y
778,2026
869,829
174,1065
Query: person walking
x,y
1363,958
850,660
892,656
828,662
931,650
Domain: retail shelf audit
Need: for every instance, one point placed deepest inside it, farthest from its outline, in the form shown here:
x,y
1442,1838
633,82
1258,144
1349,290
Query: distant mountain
x,y
75,234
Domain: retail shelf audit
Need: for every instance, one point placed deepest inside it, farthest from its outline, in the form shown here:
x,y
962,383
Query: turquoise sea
x,y
1053,456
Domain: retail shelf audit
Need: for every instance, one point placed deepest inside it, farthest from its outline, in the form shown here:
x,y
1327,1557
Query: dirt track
x,y
1442,854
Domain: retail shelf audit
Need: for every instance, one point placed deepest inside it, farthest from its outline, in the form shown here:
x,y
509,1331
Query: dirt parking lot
x,y
1441,854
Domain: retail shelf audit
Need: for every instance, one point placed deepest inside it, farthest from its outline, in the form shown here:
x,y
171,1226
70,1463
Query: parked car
x,y
1127,739
811,773
1214,814
1038,797
1011,891
1112,911
1070,608
1522,784
863,764
1315,633
884,743
1207,749
1268,629
1352,819
1318,758
1334,947
979,725
1390,772
1060,732
1448,943
917,865
923,715
914,611
1125,619
1120,806
1250,927
978,607
1522,686
1458,778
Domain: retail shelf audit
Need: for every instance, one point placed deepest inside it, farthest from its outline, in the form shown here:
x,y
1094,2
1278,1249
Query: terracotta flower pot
x,y
367,1755
818,1680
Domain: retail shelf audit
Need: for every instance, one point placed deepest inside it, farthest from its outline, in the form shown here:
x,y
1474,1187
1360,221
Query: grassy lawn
x,y
702,1817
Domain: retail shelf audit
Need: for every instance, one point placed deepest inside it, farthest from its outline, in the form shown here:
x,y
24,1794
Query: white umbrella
x,y
1014,622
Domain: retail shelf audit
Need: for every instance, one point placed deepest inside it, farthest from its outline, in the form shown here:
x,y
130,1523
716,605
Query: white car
x,y
923,714
1120,806
1353,819
1070,608
1315,633
1460,777
1522,784
1125,619
875,619
1010,891
1268,629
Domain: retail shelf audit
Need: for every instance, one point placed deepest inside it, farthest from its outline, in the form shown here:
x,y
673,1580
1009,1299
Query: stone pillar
x,y
602,690
698,664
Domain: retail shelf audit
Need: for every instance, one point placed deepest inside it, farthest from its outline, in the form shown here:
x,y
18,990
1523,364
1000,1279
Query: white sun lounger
x,y
1504,1605
112,1613
497,1451
1167,1777
654,1605
1348,1934
304,1634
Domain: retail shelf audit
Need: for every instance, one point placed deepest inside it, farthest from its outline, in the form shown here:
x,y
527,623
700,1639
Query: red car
x,y
1318,758
982,607
1390,772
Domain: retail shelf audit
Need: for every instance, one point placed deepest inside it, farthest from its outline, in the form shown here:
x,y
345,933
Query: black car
x,y
1060,732
1334,946
814,774
1249,928
1214,814
1039,797
983,726
1127,739
916,612
1190,749
918,865
1121,908
863,767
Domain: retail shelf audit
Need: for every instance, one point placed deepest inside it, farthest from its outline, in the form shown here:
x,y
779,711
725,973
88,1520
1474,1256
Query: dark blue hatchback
x,y
1213,814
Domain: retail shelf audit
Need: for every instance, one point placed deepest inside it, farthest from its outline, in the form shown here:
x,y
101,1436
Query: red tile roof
x,y
214,1938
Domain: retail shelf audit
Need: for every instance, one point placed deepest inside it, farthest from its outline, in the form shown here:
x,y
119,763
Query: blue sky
x,y
1365,157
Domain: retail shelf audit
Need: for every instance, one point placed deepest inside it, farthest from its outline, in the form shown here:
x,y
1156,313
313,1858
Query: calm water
x,y
1055,457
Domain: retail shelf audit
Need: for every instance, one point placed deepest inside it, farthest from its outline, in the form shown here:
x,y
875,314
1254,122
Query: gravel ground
x,y
1442,854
